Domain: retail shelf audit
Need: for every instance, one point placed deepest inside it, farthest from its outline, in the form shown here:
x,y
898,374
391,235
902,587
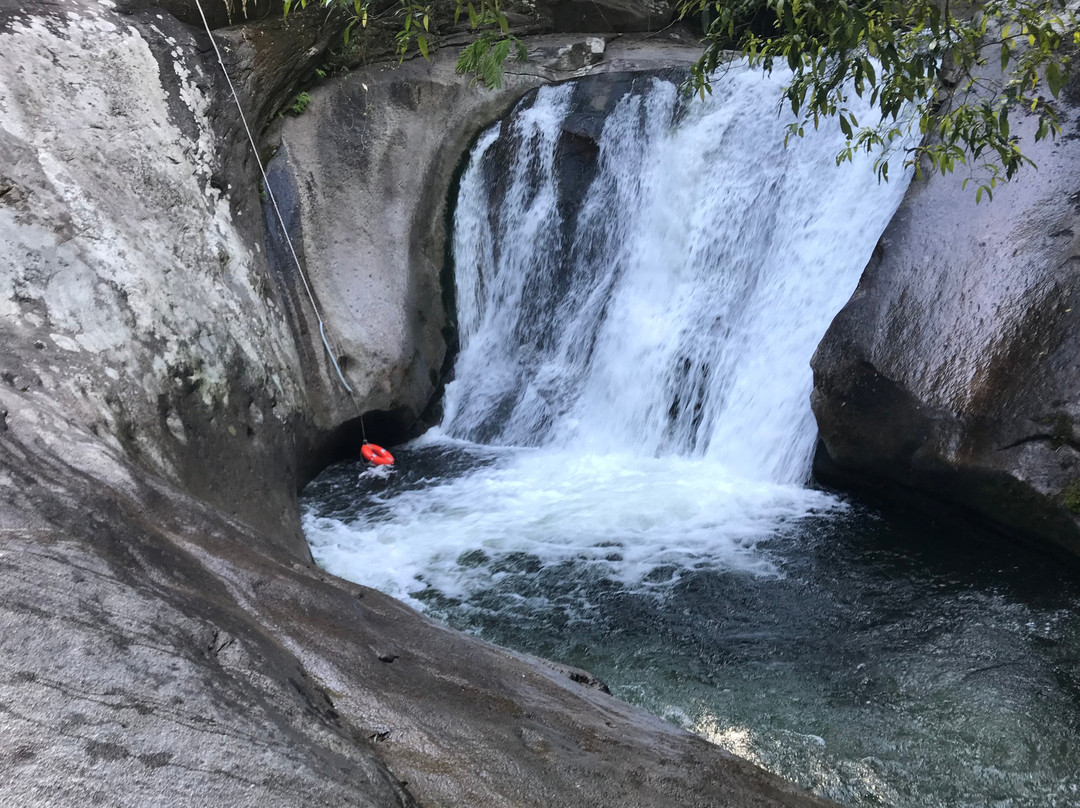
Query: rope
x,y
280,218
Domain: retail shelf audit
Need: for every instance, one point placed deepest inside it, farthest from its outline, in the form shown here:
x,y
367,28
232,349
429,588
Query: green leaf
x,y
1054,79
421,42
845,127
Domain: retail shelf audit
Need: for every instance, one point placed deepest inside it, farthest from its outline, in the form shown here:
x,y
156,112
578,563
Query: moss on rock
x,y
1070,496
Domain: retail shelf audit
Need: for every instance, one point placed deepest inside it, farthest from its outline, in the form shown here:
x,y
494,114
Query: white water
x,y
656,364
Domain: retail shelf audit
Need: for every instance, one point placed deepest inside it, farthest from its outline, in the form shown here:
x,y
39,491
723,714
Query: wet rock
x,y
583,677
953,371
580,55
612,15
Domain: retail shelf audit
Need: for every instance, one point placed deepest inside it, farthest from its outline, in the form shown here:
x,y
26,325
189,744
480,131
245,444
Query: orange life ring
x,y
376,455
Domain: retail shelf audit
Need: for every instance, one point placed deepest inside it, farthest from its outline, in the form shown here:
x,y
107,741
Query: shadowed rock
x,y
954,370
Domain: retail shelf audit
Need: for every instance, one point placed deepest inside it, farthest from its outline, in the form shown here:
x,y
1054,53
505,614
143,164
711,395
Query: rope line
x,y
277,211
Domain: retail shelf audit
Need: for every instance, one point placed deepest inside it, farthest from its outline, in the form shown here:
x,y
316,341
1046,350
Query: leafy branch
x,y
415,28
484,58
923,66
357,10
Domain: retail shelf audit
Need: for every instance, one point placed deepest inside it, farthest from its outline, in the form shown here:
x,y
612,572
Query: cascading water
x,y
679,315
619,478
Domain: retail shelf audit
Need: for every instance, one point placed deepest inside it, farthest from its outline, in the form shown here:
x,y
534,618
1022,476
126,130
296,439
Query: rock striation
x,y
163,392
954,370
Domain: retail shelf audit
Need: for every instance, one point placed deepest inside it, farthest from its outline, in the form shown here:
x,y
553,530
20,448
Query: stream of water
x,y
620,478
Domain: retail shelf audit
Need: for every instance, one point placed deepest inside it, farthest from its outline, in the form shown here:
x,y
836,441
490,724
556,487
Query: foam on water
x,y
621,516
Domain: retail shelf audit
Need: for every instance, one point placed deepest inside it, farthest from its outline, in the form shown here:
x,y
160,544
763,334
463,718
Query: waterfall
x,y
674,308
641,281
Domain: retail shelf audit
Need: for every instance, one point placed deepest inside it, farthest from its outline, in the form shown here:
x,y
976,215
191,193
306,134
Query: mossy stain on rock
x,y
1070,496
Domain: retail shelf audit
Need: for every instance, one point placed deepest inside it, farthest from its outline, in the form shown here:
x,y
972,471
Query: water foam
x,y
637,520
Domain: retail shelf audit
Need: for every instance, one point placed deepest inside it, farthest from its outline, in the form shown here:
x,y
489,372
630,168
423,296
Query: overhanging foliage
x,y
958,75
954,73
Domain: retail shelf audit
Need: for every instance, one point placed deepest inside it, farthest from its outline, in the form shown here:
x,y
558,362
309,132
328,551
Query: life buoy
x,y
376,455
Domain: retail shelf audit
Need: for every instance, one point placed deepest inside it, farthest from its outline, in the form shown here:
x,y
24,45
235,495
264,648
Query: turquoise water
x,y
879,659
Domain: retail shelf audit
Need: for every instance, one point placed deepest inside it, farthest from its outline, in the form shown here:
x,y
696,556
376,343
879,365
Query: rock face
x,y
134,302
611,15
954,371
165,639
